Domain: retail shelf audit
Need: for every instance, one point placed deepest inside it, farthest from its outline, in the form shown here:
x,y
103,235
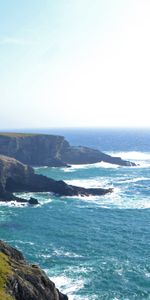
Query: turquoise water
x,y
91,247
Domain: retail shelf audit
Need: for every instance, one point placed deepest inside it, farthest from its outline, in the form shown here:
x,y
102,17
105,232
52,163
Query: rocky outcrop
x,y
85,155
51,150
20,280
18,177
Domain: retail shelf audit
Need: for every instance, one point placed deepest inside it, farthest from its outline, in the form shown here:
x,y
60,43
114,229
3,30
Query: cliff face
x,y
12,171
51,150
22,281
17,177
36,150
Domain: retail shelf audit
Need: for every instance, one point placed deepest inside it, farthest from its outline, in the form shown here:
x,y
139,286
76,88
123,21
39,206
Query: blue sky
x,y
74,63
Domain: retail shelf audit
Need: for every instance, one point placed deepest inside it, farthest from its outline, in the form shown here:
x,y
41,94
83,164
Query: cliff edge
x,y
20,280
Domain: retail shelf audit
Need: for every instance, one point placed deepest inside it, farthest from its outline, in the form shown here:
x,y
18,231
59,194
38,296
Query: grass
x,y
17,134
5,272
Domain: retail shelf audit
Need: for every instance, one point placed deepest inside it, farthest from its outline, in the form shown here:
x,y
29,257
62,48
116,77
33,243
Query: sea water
x,y
91,247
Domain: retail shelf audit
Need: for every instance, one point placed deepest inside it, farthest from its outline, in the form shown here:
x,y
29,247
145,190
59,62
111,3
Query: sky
x,y
74,63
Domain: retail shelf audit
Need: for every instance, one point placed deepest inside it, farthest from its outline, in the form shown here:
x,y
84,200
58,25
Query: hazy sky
x,y
74,63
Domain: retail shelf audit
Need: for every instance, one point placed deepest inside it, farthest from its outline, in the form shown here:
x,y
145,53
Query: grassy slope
x,y
5,272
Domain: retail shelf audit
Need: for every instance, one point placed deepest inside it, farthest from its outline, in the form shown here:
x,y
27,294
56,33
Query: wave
x,y
71,281
68,285
101,164
134,180
97,182
13,204
116,200
62,252
21,242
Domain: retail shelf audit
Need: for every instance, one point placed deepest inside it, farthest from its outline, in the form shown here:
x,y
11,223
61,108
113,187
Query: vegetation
x,y
5,272
18,134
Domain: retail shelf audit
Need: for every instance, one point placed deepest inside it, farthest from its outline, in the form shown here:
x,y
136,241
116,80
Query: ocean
x,y
92,247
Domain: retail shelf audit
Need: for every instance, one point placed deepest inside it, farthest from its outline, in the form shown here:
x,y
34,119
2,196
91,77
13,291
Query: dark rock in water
x,y
17,177
33,201
51,150
21,281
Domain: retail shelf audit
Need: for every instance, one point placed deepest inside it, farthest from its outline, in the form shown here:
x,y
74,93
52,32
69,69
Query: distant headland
x,y
51,150
19,152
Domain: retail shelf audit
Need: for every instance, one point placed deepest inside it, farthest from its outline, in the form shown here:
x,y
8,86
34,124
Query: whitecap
x,y
13,204
62,252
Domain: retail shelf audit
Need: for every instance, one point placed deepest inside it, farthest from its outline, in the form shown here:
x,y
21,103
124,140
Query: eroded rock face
x,y
34,149
17,177
24,281
51,150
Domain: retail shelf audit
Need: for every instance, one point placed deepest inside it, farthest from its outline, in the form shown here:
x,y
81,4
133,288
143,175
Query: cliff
x,y
22,281
18,177
34,149
51,150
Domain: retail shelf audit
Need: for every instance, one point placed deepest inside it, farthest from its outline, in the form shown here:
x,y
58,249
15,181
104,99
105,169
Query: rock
x,y
17,177
51,150
22,281
33,201
85,155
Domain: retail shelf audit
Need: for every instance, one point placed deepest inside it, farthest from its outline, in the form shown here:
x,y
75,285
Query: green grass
x,y
17,134
5,272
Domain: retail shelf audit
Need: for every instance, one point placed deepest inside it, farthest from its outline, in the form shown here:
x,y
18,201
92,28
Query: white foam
x,y
96,182
106,165
62,252
120,201
13,204
68,285
101,164
116,199
132,155
147,274
41,167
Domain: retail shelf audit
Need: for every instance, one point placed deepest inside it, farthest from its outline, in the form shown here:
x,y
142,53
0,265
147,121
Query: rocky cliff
x,y
34,149
20,280
51,150
18,177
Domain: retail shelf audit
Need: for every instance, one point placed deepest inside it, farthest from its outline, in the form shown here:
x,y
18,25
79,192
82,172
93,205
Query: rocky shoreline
x,y
18,177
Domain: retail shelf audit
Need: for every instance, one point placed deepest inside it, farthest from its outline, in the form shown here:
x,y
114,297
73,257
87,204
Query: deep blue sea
x,y
92,247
